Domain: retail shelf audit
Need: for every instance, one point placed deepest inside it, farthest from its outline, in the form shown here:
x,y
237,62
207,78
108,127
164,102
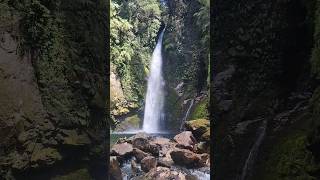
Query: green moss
x,y
195,124
132,122
67,51
200,129
172,109
206,136
290,160
81,174
200,110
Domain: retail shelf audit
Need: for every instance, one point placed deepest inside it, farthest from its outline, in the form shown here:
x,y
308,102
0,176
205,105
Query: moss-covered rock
x,y
131,122
173,109
200,110
290,160
200,129
206,136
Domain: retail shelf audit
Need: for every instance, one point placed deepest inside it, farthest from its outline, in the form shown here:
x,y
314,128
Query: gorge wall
x,y
265,56
53,100
186,60
135,27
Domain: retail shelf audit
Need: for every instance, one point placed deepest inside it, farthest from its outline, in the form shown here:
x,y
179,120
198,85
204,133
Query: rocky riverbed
x,y
144,156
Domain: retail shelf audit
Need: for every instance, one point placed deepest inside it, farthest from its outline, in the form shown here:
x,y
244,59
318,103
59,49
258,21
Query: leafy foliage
x,y
134,26
203,21
186,45
200,110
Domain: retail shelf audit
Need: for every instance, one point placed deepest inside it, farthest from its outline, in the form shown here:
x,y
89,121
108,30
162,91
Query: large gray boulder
x,y
122,150
148,163
185,140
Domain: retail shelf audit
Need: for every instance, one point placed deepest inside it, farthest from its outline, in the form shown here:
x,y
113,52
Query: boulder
x,y
148,163
142,135
140,143
164,163
164,144
186,158
164,173
114,169
134,167
198,127
204,159
122,140
145,145
203,147
185,140
161,141
154,149
139,155
122,150
206,136
191,177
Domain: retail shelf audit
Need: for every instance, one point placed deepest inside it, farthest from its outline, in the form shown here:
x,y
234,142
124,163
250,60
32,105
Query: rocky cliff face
x,y
261,86
185,61
52,93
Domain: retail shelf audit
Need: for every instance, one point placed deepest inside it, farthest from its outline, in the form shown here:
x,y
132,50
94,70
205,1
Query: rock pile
x,y
158,156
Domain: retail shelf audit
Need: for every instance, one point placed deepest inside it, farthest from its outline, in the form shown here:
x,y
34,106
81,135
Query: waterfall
x,y
254,152
186,115
153,112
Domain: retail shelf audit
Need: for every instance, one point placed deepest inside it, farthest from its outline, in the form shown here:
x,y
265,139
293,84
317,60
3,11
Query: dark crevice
x,y
296,46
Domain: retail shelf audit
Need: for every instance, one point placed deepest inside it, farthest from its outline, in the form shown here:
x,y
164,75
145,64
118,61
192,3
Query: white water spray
x,y
153,112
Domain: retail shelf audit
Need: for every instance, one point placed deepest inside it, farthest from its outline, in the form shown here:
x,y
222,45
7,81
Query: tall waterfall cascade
x,y
153,112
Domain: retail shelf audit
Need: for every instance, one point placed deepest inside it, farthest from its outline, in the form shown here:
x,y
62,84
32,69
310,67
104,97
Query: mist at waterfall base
x,y
153,112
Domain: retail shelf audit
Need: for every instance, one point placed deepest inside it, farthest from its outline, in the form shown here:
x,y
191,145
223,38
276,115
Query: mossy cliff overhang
x,y
282,43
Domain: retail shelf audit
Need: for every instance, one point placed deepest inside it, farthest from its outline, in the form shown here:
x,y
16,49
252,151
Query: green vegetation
x,y
67,57
200,110
129,123
186,45
290,160
134,27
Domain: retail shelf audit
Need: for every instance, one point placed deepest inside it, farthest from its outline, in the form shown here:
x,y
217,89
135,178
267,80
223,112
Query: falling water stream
x,y
154,116
153,113
253,152
187,114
